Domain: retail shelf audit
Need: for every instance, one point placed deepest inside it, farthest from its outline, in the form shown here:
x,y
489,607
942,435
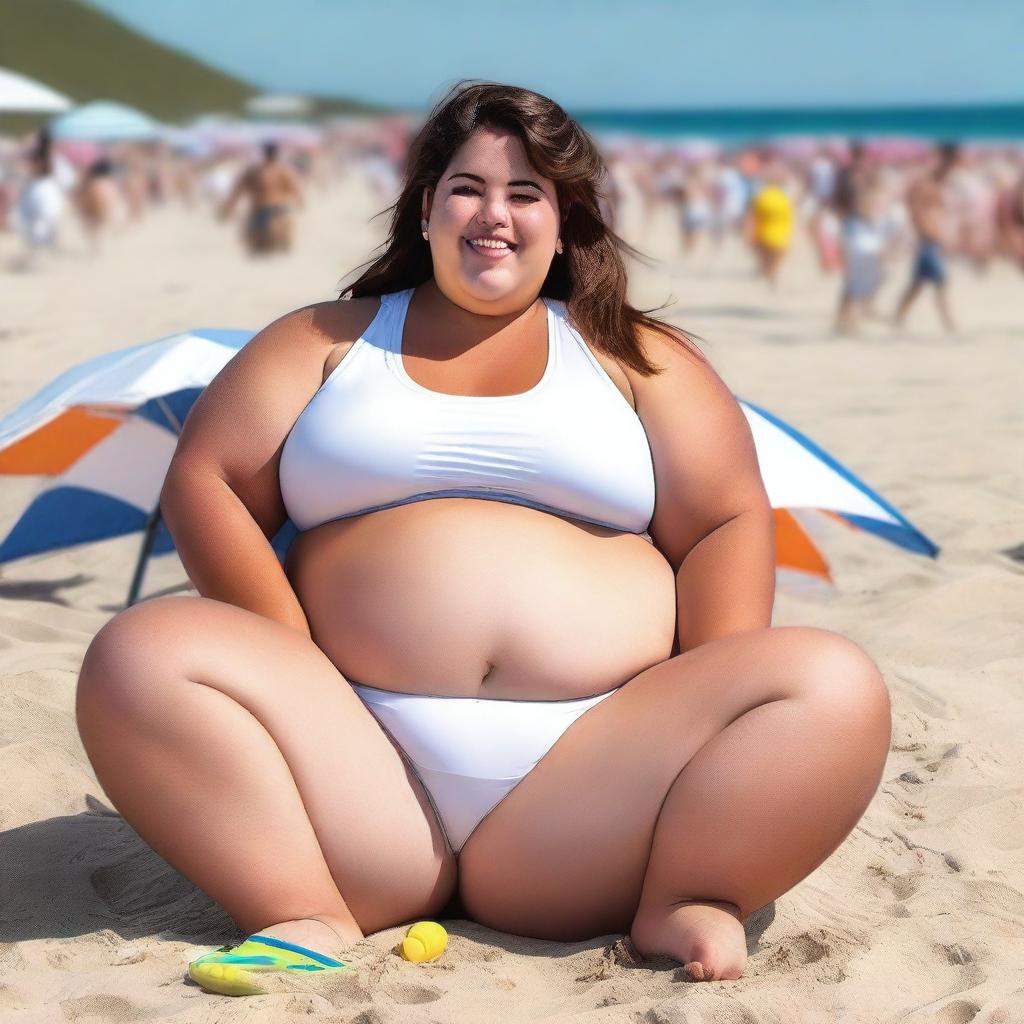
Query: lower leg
x,y
756,810
942,300
905,303
205,785
845,317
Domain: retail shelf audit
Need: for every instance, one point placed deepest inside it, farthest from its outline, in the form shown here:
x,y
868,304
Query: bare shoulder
x,y
325,323
251,404
683,368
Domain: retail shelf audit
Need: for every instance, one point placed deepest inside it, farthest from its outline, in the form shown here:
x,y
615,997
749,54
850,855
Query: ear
x,y
428,198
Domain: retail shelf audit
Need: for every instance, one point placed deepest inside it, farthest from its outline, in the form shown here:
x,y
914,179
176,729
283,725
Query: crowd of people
x,y
863,208
47,183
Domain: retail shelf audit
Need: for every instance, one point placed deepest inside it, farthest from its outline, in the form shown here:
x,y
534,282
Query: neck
x,y
465,327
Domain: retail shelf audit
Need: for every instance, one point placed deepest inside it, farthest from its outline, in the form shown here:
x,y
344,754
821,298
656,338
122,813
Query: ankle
x,y
315,932
347,931
729,908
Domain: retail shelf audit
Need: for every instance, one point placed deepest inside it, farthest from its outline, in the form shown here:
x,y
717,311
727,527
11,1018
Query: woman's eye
x,y
473,191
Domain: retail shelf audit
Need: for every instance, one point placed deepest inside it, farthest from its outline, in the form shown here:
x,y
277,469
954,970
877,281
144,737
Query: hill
x,y
87,55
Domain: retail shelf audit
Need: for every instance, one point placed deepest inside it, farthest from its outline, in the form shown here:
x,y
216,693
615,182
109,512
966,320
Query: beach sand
x,y
919,916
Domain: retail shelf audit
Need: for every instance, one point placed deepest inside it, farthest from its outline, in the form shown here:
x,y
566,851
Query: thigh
x,y
564,855
374,822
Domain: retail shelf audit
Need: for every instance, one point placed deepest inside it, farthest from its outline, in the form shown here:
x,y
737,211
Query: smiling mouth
x,y
491,252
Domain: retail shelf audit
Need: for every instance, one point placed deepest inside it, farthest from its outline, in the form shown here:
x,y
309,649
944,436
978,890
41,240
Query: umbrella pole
x,y
149,533
148,536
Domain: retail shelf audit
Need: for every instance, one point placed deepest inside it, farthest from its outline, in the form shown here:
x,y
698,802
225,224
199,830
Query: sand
x,y
919,916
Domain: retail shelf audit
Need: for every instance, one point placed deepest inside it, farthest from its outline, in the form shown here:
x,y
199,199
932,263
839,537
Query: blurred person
x,y
1010,220
625,192
929,202
697,205
8,192
217,177
184,178
730,196
863,246
39,206
131,164
477,674
821,175
97,200
381,173
858,202
272,189
770,221
976,195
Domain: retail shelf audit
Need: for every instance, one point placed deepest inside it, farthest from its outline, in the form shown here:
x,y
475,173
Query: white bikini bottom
x,y
469,752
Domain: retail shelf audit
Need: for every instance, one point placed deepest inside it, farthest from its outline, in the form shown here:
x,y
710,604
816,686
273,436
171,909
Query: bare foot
x,y
330,939
706,937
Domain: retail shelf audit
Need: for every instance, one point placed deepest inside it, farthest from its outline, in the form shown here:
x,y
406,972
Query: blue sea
x,y
1002,122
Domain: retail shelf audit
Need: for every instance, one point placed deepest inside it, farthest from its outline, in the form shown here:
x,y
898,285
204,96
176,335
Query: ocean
x,y
989,122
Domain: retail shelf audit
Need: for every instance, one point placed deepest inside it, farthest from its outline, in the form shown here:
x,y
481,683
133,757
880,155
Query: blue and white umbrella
x,y
104,121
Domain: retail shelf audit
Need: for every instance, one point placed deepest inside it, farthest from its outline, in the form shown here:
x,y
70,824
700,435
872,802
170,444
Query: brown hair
x,y
589,276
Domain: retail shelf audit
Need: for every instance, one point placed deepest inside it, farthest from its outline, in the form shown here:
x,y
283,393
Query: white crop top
x,y
371,437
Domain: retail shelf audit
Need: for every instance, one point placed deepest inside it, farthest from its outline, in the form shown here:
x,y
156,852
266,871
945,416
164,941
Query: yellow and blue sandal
x,y
262,965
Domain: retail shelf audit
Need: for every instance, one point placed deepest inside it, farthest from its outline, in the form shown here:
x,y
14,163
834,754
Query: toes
x,y
695,971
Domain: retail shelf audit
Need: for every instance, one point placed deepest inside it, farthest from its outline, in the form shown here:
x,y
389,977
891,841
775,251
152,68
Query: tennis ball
x,y
425,940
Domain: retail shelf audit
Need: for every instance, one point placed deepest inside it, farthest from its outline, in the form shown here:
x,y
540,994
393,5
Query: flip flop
x,y
237,970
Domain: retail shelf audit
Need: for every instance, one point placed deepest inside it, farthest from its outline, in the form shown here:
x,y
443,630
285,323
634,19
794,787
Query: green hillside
x,y
87,55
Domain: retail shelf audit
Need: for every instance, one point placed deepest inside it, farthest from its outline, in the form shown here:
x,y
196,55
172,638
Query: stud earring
x,y
558,247
423,226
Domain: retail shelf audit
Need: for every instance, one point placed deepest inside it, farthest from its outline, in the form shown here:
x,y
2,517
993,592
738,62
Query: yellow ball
x,y
425,940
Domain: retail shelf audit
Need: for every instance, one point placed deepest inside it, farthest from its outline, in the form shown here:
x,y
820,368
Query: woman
x,y
771,223
520,652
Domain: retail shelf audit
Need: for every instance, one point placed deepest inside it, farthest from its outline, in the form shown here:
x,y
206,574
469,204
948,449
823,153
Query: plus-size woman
x,y
520,650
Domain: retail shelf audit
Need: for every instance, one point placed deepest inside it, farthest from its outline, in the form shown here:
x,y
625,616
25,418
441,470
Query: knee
x,y
123,655
833,671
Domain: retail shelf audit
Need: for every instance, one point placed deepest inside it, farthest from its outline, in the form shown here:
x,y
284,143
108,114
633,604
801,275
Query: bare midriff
x,y
470,597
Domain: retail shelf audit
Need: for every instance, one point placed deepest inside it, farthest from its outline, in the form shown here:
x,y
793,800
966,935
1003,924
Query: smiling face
x,y
489,190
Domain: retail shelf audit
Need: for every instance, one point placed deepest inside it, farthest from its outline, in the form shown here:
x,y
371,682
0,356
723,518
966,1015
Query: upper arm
x,y
705,465
238,425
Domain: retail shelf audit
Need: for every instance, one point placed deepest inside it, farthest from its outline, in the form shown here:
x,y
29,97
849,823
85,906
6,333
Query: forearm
x,y
224,551
726,583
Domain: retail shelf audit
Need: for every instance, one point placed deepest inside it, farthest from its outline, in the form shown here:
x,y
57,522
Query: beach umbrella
x,y
103,121
21,94
803,480
107,429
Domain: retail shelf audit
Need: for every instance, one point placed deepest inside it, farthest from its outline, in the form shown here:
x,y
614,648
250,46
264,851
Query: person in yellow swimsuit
x,y
770,225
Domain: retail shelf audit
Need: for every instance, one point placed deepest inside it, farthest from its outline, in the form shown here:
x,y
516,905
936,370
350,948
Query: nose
x,y
494,211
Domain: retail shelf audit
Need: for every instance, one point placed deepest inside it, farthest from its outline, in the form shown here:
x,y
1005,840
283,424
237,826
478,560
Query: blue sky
x,y
611,54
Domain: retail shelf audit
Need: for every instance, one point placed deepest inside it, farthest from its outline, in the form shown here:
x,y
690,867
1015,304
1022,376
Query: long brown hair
x,y
589,276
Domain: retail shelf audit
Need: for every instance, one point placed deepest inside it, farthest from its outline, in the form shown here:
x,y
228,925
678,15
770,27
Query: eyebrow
x,y
476,177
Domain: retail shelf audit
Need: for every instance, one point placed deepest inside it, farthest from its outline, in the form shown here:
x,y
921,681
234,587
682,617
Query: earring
x,y
558,247
423,226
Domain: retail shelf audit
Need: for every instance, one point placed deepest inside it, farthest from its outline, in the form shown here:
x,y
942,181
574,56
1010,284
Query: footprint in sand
x,y
901,886
960,1011
410,994
101,1007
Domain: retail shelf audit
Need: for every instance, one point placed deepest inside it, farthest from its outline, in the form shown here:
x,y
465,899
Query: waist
x,y
479,598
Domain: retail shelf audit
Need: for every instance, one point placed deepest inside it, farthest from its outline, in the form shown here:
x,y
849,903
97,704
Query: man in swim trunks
x,y
272,188
929,203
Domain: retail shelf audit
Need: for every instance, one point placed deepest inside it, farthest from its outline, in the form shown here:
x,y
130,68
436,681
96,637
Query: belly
x,y
474,597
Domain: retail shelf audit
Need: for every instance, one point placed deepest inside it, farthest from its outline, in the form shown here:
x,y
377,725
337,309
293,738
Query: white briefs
x,y
471,752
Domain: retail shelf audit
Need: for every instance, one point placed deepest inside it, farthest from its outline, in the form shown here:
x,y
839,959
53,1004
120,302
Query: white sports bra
x,y
372,438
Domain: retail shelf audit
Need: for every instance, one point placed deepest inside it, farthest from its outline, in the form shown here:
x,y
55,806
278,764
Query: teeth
x,y
489,243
